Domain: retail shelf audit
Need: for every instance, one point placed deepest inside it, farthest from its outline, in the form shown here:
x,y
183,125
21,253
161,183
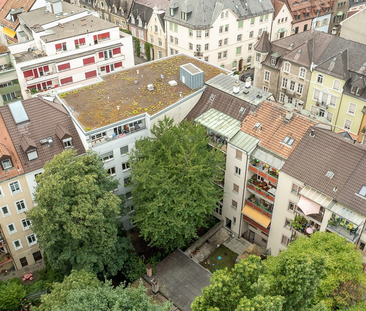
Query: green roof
x,y
277,54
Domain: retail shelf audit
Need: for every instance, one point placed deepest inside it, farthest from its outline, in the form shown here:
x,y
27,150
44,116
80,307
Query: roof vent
x,y
299,51
329,174
150,87
312,134
236,87
248,82
335,189
242,110
173,83
257,125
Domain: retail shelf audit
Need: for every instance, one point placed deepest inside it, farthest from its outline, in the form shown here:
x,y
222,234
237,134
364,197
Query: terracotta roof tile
x,y
274,127
44,116
14,4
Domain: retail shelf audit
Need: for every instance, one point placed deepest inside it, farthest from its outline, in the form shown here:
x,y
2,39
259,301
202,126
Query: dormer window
x,y
356,90
184,16
273,61
140,21
6,164
32,155
67,143
172,12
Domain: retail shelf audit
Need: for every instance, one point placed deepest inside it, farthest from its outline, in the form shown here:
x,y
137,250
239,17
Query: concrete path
x,y
236,245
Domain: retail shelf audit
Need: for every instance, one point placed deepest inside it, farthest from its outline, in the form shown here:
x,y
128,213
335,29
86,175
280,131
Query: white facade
x,y
321,23
45,63
229,43
281,25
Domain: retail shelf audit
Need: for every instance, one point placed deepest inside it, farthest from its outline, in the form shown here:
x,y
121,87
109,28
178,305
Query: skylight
x,y
212,97
18,112
330,174
363,191
288,141
242,110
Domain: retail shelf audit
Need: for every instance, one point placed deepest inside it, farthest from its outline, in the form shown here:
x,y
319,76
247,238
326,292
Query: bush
x,y
11,295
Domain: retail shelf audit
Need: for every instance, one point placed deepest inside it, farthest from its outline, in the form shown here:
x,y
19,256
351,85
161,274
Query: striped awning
x,y
10,33
258,217
316,196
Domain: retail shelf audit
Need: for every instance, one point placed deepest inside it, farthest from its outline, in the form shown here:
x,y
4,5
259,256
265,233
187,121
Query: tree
x,y
173,186
11,294
75,217
58,297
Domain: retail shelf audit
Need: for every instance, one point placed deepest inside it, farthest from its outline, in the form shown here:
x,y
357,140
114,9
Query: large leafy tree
x,y
173,187
75,217
11,294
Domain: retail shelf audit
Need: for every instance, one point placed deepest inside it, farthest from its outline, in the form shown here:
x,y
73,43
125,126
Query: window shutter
x,y
116,51
49,82
101,55
46,68
104,35
64,67
66,80
95,38
82,40
58,46
119,64
76,42
89,60
28,73
91,74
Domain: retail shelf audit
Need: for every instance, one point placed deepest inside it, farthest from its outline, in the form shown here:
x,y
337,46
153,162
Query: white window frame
x,y
300,88
8,213
265,75
334,82
20,245
1,192
110,171
344,125
282,98
286,67
127,165
348,110
15,228
125,153
25,227
330,113
32,155
16,191
7,166
67,143
319,77
237,171
284,82
287,240
107,157
33,242
302,69
23,209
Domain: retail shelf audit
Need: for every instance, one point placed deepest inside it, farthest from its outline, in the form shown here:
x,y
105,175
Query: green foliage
x,y
148,47
11,295
108,298
75,218
260,303
173,186
77,280
36,287
137,46
125,31
361,306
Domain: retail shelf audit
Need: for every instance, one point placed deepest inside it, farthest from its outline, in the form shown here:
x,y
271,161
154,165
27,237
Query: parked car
x,y
245,76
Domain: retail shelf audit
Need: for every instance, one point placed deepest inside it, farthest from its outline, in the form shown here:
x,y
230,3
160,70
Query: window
x,y
295,189
111,171
171,39
176,41
235,63
306,26
1,192
238,37
220,43
282,98
238,50
219,55
319,79
26,223
234,220
300,88
286,67
6,164
15,187
240,24
37,256
23,261
124,150
302,73
207,33
107,157
265,88
234,204
289,99
235,188
17,244
249,60
251,34
330,116
226,28
225,41
362,191
285,240
21,206
198,47
31,239
291,206
288,141
206,47
11,228
336,85
206,59
238,154
273,61
125,166
284,82
250,46
67,143
224,54
128,195
259,32
127,181
267,76
198,34
252,21
292,86
5,211
287,223
258,57
221,28
237,170
190,46
190,31
351,109
347,124
261,19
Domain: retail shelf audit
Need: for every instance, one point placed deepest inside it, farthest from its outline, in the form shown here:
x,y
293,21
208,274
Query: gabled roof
x,y
268,124
205,12
263,45
14,5
43,117
144,9
336,66
62,132
336,154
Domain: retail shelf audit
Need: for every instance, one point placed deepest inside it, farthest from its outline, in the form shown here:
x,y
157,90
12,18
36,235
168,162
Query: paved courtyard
x,y
237,245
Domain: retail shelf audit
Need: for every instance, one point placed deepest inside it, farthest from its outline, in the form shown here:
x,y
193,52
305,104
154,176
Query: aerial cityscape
x,y
183,155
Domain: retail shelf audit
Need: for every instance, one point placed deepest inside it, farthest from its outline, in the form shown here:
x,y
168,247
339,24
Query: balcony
x,y
5,258
218,141
198,54
264,171
261,188
303,225
344,228
260,205
49,75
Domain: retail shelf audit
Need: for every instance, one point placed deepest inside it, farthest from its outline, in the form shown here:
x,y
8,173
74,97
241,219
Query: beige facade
x,y
156,34
282,23
354,27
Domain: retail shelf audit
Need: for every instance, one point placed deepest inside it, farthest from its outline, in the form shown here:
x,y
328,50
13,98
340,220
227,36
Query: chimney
x,y
248,83
300,107
289,115
155,285
236,87
149,270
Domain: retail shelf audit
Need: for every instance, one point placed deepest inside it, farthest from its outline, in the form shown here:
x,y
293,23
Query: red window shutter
x,y
95,38
116,51
31,87
28,73
46,68
76,42
64,67
119,64
35,73
101,55
49,82
104,35
108,69
82,40
89,60
58,46
91,74
66,80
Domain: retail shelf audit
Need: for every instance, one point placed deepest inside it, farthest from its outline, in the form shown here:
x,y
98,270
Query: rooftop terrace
x,y
124,94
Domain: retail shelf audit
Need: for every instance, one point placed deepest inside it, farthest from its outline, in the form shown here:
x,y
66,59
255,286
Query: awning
x,y
316,196
340,13
348,214
10,33
281,30
308,207
258,217
268,158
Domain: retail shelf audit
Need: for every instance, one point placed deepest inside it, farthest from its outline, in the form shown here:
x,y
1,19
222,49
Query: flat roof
x,y
124,94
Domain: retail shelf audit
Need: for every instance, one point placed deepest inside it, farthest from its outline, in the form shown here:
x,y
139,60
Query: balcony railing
x,y
260,205
261,188
344,228
303,225
264,171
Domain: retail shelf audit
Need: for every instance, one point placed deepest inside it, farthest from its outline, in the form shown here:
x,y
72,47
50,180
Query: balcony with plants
x,y
260,205
5,256
264,170
258,186
217,140
303,225
344,227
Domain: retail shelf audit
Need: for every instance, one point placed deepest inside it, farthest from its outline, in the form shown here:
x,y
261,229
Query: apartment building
x,y
328,197
67,46
33,131
339,13
156,34
353,28
282,20
222,33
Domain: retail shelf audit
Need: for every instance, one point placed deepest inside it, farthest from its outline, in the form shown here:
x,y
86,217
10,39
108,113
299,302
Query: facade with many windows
x,y
223,35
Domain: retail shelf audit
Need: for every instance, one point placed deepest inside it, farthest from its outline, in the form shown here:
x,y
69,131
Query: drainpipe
x,y
339,108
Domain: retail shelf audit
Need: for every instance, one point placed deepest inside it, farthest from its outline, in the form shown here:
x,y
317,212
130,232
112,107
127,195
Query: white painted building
x,y
223,33
66,46
282,21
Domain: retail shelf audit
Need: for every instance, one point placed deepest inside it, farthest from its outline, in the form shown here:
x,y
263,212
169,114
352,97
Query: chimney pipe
x,y
155,285
236,87
149,270
248,82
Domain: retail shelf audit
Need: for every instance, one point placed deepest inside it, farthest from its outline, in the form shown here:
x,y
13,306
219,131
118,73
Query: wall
x,y
354,28
323,22
345,114
277,23
160,34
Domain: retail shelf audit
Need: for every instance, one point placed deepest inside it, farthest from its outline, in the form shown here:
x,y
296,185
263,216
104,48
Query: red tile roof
x,y
14,4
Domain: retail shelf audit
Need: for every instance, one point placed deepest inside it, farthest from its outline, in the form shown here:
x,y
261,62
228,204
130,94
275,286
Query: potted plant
x,y
332,222
349,227
295,224
342,223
